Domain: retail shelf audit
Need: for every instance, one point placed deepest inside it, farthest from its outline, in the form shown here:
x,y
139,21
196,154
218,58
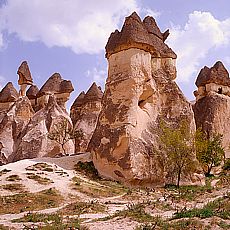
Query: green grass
x,y
30,201
39,217
224,180
39,179
226,165
159,223
189,192
51,221
80,207
135,212
224,225
219,208
103,188
88,169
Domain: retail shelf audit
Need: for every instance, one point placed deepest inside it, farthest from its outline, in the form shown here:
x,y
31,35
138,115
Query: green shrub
x,y
226,165
51,222
88,169
219,207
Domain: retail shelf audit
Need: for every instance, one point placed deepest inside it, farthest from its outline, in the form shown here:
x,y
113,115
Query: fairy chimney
x,y
139,94
25,77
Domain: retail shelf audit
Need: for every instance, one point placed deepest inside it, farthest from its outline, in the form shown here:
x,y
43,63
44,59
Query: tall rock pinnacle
x,y
25,77
212,107
139,94
84,114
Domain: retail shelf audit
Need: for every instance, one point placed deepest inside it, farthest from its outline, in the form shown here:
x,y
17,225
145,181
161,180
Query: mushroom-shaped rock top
x,y
55,85
24,74
144,35
217,74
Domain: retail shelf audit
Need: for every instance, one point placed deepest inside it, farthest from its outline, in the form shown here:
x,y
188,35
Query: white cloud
x,y
201,33
83,26
98,75
150,12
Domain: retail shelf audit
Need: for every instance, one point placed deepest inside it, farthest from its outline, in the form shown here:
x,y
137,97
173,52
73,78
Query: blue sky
x,y
69,36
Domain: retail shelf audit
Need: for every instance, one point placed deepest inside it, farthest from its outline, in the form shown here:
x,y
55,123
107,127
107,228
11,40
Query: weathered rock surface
x,y
8,96
212,107
139,94
55,85
137,34
12,124
84,114
25,77
31,93
3,159
24,74
217,74
33,140
8,93
23,133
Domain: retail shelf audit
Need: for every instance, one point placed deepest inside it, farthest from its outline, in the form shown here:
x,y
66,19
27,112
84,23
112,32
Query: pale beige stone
x,y
139,93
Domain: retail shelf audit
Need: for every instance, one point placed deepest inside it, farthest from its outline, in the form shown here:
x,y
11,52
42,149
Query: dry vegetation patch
x,y
49,222
13,178
39,179
40,166
13,187
80,207
30,201
4,171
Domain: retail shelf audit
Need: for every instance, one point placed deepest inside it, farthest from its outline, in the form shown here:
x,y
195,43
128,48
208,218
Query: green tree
x,y
209,150
62,132
178,145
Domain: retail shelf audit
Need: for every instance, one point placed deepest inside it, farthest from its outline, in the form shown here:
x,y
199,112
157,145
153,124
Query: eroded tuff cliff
x,y
8,96
34,141
139,94
26,120
212,107
84,114
12,124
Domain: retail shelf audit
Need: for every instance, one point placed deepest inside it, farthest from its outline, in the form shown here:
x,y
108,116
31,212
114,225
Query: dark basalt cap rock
x,y
24,74
94,93
142,35
8,93
55,84
217,74
32,92
79,101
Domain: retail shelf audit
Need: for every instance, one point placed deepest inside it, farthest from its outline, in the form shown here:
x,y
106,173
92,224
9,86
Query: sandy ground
x,y
61,177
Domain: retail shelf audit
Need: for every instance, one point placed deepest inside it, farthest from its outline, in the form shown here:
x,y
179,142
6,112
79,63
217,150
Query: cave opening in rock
x,y
220,90
140,103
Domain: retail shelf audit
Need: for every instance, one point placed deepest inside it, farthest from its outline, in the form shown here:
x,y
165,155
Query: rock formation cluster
x,y
27,117
212,106
122,126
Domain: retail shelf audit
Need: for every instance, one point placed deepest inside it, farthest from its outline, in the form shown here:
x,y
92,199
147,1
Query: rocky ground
x,y
57,193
